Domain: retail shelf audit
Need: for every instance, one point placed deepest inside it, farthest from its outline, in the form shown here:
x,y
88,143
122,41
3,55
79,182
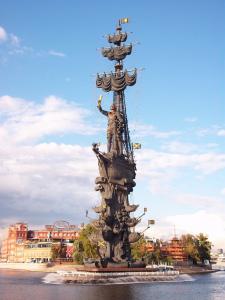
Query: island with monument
x,y
117,168
115,182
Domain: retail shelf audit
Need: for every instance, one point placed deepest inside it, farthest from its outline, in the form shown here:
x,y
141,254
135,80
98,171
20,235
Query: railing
x,y
83,274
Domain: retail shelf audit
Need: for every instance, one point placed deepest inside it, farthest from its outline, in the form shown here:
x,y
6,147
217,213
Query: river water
x,y
23,285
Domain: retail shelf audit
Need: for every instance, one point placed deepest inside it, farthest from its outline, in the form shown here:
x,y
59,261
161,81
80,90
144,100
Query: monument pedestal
x,y
116,275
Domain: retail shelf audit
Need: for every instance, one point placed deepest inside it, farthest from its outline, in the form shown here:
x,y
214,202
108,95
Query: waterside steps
x,y
115,276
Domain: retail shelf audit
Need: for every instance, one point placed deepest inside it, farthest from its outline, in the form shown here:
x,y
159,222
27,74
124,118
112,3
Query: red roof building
x,y
20,238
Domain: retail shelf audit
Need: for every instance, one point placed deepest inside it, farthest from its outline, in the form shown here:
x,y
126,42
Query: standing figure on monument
x,y
115,128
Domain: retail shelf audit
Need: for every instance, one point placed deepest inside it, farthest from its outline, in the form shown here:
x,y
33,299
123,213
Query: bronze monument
x,y
117,168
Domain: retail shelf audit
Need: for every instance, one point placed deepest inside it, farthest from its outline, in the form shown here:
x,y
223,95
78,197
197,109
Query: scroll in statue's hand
x,y
100,101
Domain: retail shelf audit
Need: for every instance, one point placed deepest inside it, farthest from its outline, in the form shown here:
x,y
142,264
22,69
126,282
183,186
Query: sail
x,y
117,38
117,53
116,81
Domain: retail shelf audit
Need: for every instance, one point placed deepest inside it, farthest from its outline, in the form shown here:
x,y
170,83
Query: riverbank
x,y
36,267
21,285
125,276
53,268
191,270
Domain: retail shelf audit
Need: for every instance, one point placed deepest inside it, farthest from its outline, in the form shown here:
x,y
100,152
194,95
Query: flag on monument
x,y
124,20
136,146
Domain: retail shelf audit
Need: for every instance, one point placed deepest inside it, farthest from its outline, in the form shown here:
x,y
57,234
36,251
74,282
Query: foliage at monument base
x,y
197,248
90,245
140,251
85,246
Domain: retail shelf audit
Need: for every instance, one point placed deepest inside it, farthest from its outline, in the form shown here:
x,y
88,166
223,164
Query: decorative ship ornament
x,y
117,53
117,169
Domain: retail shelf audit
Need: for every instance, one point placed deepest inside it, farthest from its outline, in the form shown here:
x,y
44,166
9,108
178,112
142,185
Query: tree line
x,y
90,245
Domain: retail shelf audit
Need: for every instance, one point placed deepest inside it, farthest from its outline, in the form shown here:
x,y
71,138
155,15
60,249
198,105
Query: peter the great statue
x,y
117,168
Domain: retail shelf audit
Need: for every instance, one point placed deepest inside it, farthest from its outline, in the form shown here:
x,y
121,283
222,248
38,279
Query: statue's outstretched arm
x,y
104,112
99,154
99,106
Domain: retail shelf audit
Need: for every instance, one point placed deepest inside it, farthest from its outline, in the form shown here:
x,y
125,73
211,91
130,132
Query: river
x,y
23,285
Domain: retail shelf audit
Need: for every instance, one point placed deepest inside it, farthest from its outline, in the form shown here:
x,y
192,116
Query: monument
x,y
117,171
117,168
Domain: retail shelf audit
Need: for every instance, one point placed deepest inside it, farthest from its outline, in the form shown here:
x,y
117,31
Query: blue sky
x,y
49,55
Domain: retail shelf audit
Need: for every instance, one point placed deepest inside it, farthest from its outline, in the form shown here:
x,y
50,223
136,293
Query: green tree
x,y
156,257
197,248
139,252
204,247
58,251
138,249
85,246
189,242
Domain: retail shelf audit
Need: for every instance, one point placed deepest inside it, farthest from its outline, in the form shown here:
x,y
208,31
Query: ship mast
x,y
118,80
117,169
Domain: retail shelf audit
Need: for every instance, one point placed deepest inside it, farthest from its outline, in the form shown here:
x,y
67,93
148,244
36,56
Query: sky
x,y
49,57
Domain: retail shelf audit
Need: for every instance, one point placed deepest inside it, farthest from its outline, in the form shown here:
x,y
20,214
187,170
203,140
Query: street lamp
x,y
145,210
150,222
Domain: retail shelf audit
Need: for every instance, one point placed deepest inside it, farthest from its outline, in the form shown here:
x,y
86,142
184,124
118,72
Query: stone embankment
x,y
38,267
84,277
191,270
53,268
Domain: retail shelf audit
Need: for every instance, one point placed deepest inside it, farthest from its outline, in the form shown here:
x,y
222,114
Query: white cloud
x,y
212,145
223,192
25,121
38,180
10,105
204,132
14,45
143,130
186,148
214,129
162,171
212,224
201,221
209,162
191,119
41,182
221,132
15,40
199,201
52,179
206,163
180,147
56,53
3,34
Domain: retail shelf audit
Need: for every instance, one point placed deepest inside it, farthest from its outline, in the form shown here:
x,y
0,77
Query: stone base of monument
x,y
92,263
116,275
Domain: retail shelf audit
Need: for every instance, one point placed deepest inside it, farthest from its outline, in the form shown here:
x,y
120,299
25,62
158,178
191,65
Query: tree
x,y
58,251
157,256
204,247
138,249
86,246
189,242
197,248
139,252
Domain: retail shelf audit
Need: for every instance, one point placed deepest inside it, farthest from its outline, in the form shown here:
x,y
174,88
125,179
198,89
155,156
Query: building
x,y
23,245
37,252
54,233
174,249
12,246
150,246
